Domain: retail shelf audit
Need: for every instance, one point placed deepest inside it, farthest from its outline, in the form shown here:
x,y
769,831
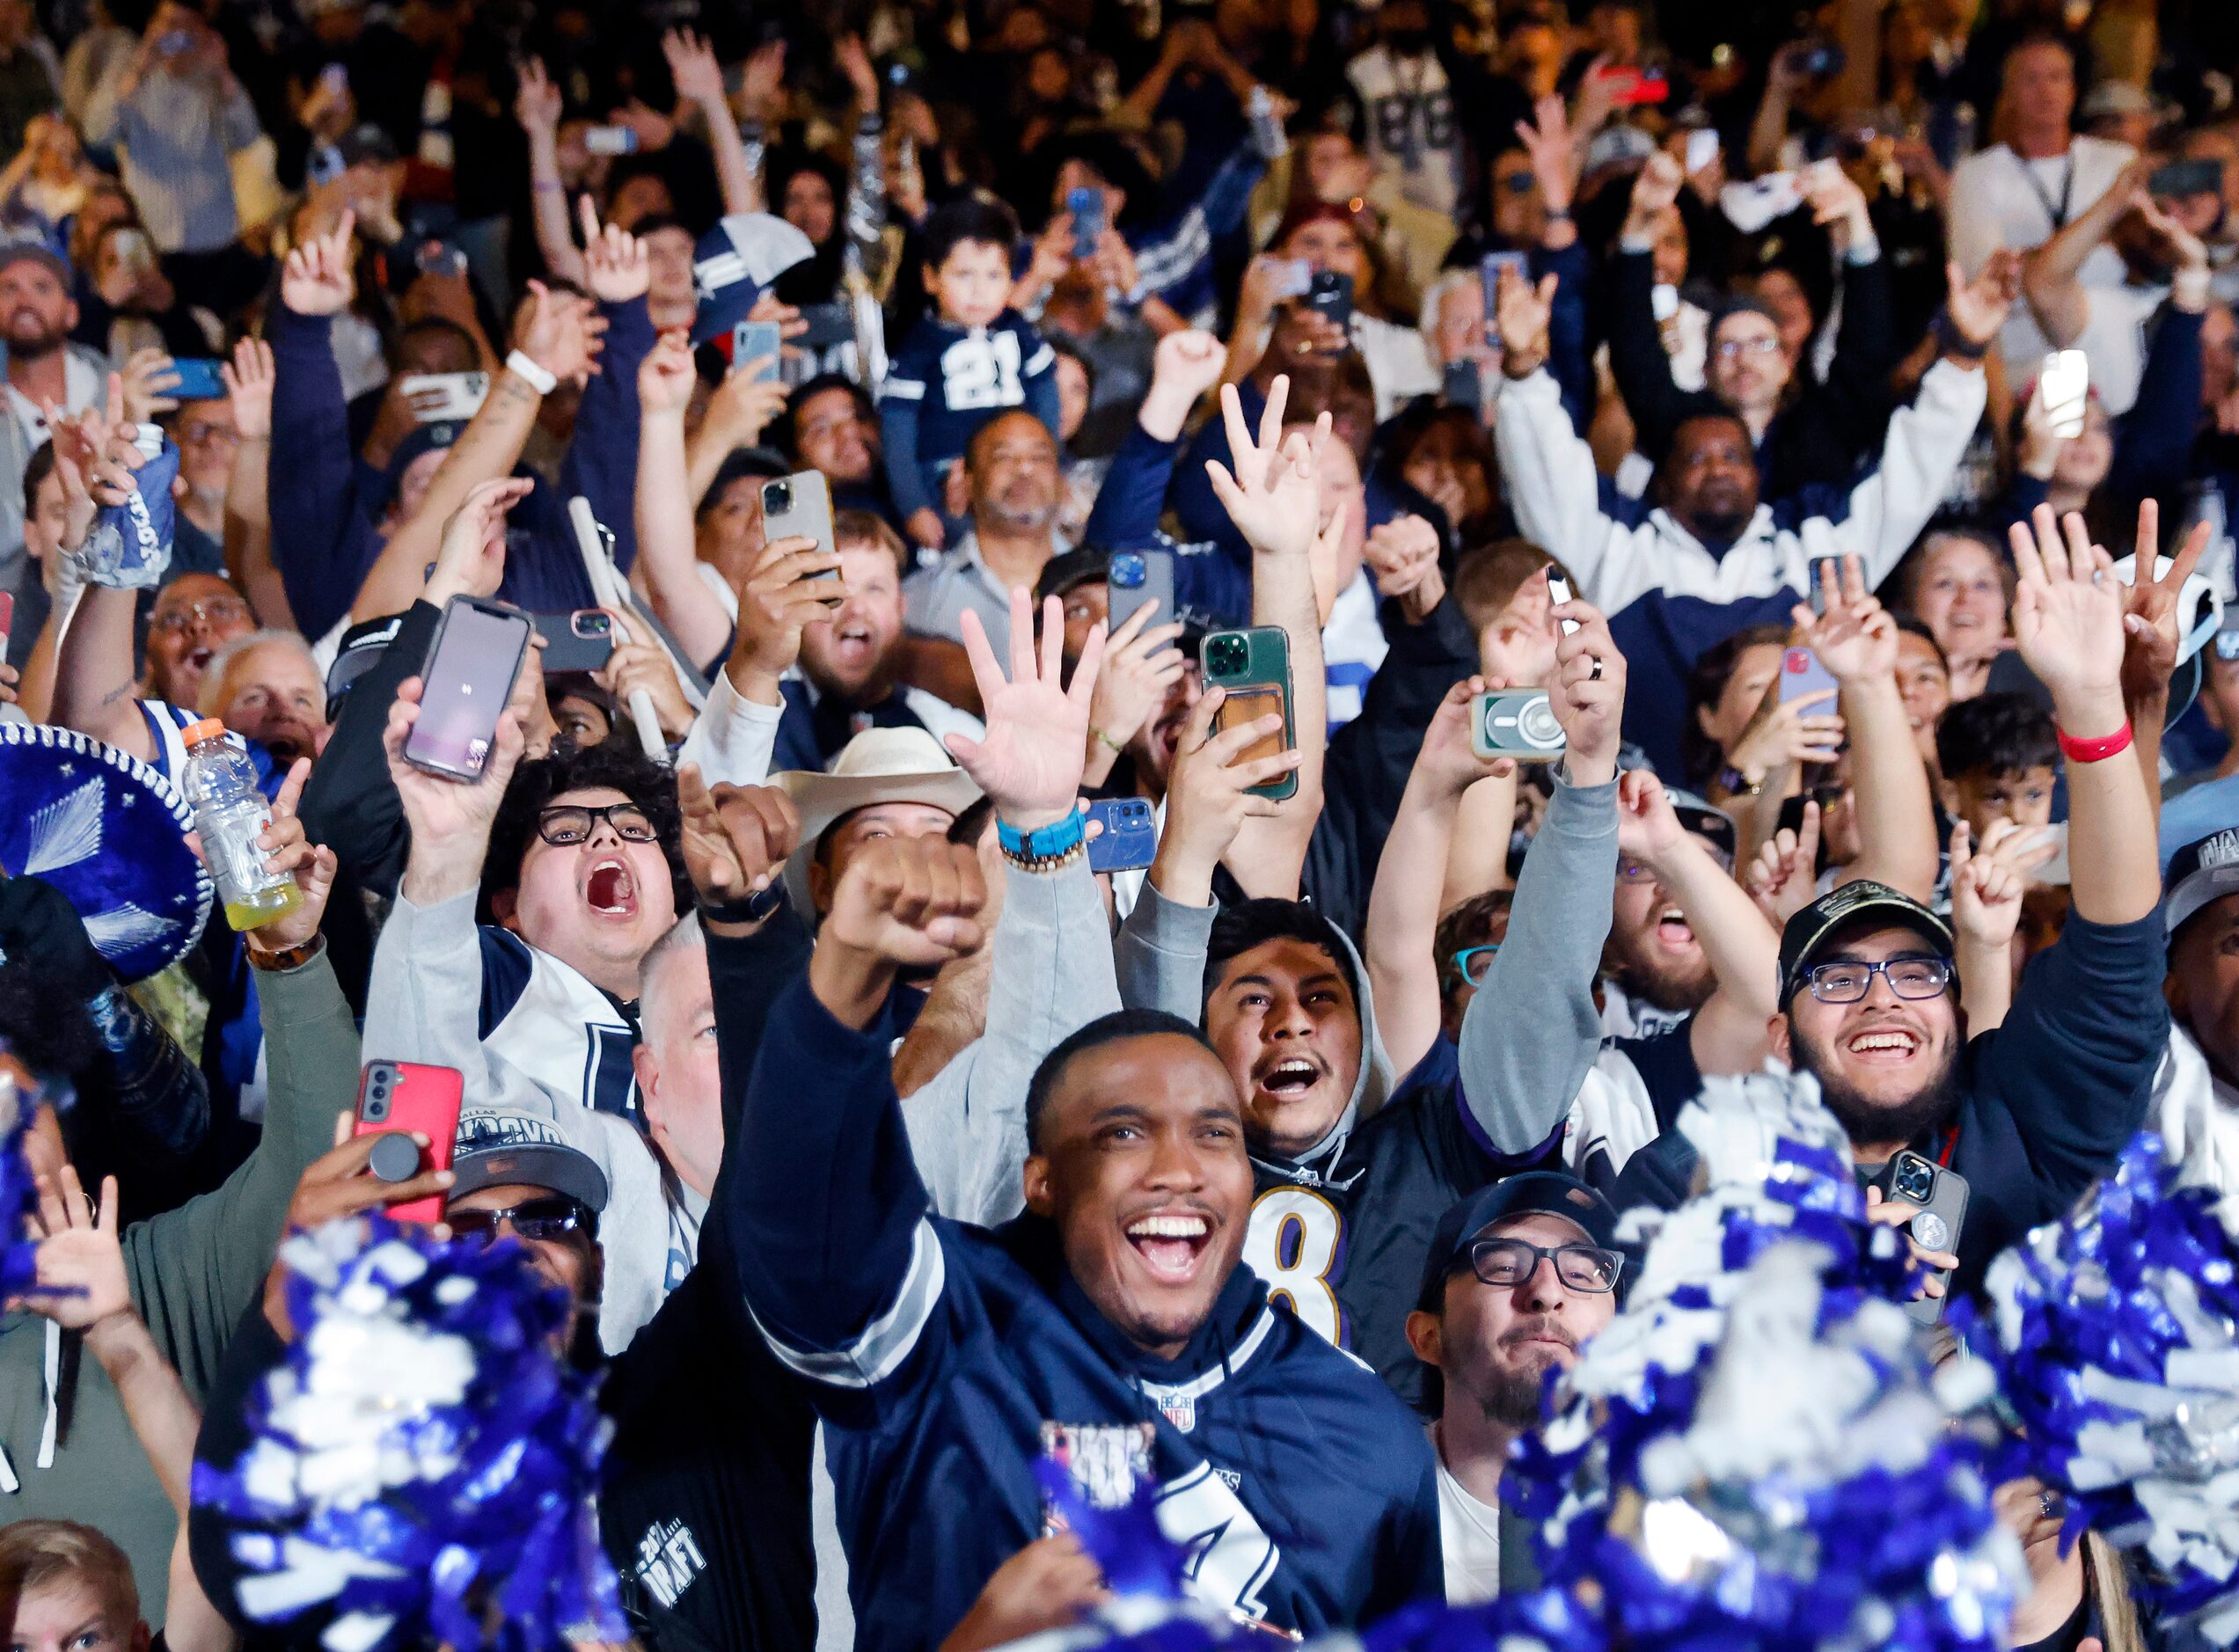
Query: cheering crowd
x,y
986,933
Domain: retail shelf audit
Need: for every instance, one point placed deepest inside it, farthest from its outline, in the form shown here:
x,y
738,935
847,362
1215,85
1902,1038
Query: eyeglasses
x,y
1509,1262
1847,982
1473,961
219,611
572,823
197,434
1727,349
550,1218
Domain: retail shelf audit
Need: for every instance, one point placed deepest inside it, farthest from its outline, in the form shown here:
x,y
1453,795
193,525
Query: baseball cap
x,y
1534,1193
358,652
1704,819
1061,574
2202,871
427,438
1810,931
734,261
496,1146
14,252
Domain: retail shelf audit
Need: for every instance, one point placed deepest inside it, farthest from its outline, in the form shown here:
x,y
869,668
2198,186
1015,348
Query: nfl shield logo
x,y
1181,1410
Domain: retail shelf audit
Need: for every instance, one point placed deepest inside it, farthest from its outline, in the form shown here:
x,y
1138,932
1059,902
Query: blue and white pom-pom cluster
x,y
423,1467
1755,1450
2115,1333
19,1197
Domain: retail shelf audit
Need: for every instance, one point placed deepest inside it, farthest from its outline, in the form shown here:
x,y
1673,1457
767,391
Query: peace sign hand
x,y
2152,627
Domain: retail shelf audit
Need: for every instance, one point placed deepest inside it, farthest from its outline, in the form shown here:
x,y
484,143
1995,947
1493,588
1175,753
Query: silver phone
x,y
800,504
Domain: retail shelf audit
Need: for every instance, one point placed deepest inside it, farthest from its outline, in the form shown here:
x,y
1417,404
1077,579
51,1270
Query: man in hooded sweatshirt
x,y
1351,1165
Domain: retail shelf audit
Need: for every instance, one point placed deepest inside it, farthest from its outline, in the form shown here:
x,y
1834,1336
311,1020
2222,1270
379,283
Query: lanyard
x,y
2059,213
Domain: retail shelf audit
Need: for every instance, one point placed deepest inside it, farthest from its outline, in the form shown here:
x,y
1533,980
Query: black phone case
x,y
1949,1205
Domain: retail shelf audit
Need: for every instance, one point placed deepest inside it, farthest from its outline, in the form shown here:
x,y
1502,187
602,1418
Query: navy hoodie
x,y
943,1357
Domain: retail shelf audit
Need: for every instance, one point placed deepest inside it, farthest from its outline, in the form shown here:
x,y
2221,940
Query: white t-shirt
x,y
1469,1532
1999,200
2114,337
1407,108
1399,363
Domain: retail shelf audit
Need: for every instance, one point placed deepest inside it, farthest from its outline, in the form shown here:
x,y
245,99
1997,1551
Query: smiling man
x,y
1108,1336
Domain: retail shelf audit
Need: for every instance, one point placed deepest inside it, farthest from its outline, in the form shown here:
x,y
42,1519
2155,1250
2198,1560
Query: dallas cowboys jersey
x,y
949,1363
168,726
545,1018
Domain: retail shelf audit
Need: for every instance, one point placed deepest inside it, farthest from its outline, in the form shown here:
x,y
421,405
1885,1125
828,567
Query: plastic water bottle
x,y
230,813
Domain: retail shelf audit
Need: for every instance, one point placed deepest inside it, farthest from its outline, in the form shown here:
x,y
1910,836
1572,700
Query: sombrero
x,y
110,833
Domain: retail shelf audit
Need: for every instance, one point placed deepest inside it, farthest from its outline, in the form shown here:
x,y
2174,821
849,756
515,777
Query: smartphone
x,y
1489,273
829,324
1517,723
1293,276
1331,293
435,258
1135,580
464,685
1820,575
800,504
575,642
405,1095
335,77
2202,177
753,342
1802,674
450,395
2065,383
1558,594
134,250
198,379
1942,1195
1086,206
1254,668
1702,149
611,140
1821,59
1461,385
1130,838
7,622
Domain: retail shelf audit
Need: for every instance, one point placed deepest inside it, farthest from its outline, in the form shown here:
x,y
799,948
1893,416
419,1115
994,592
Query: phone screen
x,y
2065,385
1243,706
465,687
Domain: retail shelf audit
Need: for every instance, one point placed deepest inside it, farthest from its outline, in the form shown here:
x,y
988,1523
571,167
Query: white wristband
x,y
2188,290
535,377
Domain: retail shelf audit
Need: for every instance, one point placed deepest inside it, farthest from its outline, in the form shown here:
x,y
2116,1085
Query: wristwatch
x,y
757,908
275,959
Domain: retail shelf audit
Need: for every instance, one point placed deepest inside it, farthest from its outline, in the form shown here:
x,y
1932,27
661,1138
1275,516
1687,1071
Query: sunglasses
x,y
550,1218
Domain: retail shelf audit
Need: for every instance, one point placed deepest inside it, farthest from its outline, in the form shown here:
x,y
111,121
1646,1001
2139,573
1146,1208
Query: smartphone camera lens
x,y
1915,1182
1127,570
776,497
1228,655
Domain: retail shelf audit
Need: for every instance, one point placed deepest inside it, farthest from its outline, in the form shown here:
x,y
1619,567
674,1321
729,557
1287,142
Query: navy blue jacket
x,y
942,1357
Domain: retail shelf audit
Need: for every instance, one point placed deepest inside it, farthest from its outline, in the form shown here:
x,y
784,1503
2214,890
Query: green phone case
x,y
1263,662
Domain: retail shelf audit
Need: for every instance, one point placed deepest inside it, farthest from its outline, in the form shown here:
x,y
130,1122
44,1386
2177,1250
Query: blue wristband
x,y
1043,843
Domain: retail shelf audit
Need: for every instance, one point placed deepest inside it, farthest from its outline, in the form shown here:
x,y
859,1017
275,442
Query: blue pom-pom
x,y
19,1195
423,1467
2115,1333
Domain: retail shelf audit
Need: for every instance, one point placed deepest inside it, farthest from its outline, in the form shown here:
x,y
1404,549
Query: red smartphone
x,y
7,621
1636,85
404,1095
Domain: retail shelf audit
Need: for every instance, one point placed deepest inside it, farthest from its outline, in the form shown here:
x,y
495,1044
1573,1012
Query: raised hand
x,y
743,403
615,261
793,582
2068,620
148,375
1141,666
248,385
559,332
1987,883
736,838
1588,694
1447,763
912,903
1403,556
1547,139
1784,878
2152,626
1187,364
472,559
665,377
1648,827
1978,308
1209,797
1855,638
1029,758
339,1183
697,76
317,279
537,104
1274,494
763,81
1521,310
449,818
81,1278
1805,729
635,664
1655,187
289,850
854,62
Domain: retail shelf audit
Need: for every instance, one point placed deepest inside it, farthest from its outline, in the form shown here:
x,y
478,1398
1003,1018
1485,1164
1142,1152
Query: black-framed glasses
x,y
565,825
1508,1263
1916,976
553,1217
1473,961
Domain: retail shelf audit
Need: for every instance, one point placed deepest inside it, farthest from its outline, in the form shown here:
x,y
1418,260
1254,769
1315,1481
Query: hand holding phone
x,y
2064,389
1086,206
1253,668
394,1099
757,341
465,687
1937,1198
1330,294
196,378
1129,840
1558,594
1519,724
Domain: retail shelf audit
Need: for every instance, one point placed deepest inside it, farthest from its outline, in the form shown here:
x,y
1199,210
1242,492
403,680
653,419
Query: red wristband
x,y
2094,751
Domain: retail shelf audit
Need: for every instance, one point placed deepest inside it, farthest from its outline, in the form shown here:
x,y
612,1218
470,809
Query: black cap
x,y
365,145
1699,816
1061,574
1849,908
360,650
2203,871
1534,1193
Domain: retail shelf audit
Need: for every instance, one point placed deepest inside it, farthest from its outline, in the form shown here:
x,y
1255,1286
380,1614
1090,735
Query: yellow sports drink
x,y
230,813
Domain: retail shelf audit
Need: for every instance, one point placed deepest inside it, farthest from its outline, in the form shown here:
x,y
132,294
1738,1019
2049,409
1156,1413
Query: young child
x,y
961,367
1999,754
